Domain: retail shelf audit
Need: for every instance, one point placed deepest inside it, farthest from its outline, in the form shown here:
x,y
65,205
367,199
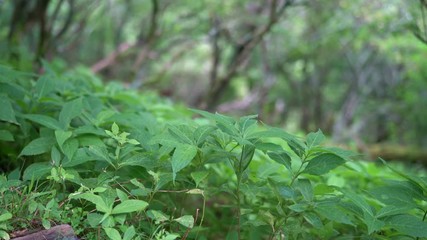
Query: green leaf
x,y
5,216
186,221
61,136
140,159
38,146
7,136
392,210
314,139
226,124
115,128
272,132
282,158
44,120
4,235
409,225
248,124
95,199
157,216
36,171
304,186
70,147
313,219
44,85
415,180
129,206
122,195
201,133
55,155
359,201
182,156
180,135
199,176
7,113
69,111
323,163
129,233
113,234
373,223
334,213
100,152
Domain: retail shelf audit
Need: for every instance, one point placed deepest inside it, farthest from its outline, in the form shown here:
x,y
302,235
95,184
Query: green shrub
x,y
114,162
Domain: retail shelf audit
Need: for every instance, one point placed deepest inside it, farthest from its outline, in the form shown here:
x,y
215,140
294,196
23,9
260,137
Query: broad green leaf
x,y
186,221
415,180
170,236
112,233
44,120
129,233
313,219
5,216
94,219
359,201
323,163
280,190
282,158
107,221
90,140
4,235
226,124
392,210
314,139
122,195
182,157
70,147
157,216
247,154
69,111
115,129
38,146
95,199
142,160
44,85
180,135
398,193
5,135
55,155
36,171
103,116
266,146
296,147
373,223
129,206
334,213
100,152
201,133
79,157
408,224
199,176
248,125
304,186
299,207
272,132
7,113
62,136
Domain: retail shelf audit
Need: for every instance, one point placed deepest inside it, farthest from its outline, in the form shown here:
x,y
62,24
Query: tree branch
x,y
247,47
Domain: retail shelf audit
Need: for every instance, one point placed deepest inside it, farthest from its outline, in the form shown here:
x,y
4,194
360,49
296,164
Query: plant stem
x,y
239,177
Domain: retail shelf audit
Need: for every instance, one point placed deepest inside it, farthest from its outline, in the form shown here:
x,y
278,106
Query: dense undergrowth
x,y
119,164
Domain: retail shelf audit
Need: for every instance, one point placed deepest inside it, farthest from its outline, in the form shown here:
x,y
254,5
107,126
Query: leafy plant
x,y
117,164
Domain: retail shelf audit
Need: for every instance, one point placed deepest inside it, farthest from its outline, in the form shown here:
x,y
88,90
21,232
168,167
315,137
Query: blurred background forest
x,y
357,69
